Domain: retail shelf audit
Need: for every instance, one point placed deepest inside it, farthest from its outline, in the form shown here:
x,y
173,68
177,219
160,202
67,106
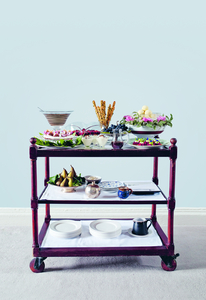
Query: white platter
x,y
110,185
66,228
105,228
163,142
147,147
58,138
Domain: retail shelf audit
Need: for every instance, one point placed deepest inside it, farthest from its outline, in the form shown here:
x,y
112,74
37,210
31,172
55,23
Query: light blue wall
x,y
64,54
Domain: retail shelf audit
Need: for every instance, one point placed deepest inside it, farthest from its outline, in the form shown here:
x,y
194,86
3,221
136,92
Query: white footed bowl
x,y
144,131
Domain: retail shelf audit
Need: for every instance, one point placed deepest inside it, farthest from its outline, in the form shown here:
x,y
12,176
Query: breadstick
x,y
102,109
96,110
99,113
108,115
111,110
113,107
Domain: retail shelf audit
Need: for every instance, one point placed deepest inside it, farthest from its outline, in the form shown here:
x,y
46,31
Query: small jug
x,y
124,192
118,141
140,226
92,190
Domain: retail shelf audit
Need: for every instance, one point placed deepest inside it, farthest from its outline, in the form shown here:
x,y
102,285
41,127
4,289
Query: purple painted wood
x,y
155,171
155,180
42,152
167,249
171,198
47,207
96,201
43,232
103,251
34,198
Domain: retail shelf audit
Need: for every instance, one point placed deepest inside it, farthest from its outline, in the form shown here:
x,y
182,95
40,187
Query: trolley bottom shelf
x,y
155,243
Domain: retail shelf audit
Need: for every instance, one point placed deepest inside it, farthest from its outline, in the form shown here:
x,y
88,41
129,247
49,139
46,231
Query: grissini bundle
x,y
103,117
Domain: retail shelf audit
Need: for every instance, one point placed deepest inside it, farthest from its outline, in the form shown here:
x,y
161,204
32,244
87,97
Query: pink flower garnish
x,y
147,119
161,118
128,118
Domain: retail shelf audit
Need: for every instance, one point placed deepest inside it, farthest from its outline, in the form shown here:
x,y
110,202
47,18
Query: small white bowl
x,y
89,179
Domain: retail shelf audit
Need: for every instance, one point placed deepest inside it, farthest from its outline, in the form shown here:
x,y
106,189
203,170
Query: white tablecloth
x,y
55,193
87,240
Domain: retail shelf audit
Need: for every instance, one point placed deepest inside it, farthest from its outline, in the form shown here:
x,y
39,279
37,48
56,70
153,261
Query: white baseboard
x,y
184,216
105,210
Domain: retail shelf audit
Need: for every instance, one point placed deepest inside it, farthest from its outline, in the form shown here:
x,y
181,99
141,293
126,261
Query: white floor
x,y
102,277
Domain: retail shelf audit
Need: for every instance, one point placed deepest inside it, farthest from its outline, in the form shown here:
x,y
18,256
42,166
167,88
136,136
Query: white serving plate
x,y
147,147
105,228
163,142
110,185
66,228
58,138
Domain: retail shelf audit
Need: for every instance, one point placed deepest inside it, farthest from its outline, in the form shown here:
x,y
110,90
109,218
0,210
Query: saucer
x,y
139,235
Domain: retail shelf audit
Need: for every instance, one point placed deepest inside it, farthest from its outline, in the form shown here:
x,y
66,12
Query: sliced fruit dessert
x,y
57,134
67,134
84,132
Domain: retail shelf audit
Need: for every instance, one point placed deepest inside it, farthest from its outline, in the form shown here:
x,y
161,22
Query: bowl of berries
x,y
115,128
115,132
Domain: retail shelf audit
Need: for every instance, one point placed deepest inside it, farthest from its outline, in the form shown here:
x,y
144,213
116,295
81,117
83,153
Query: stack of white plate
x,y
66,228
105,228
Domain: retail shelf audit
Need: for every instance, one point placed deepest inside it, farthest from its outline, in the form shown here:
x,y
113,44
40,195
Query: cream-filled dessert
x,y
102,140
87,140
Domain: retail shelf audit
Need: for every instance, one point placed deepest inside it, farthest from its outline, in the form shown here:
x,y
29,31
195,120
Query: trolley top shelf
x,y
38,151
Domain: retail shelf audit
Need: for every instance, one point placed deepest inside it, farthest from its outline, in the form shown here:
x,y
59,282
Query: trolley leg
x,y
155,180
171,198
34,198
47,206
168,262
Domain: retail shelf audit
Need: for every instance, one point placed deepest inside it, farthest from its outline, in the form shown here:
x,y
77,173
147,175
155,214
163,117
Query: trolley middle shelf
x,y
54,195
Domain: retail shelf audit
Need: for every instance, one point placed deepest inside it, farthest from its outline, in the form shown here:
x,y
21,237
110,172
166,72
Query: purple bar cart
x,y
165,251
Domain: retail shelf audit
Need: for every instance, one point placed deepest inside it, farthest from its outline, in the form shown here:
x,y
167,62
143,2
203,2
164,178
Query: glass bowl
x,y
56,119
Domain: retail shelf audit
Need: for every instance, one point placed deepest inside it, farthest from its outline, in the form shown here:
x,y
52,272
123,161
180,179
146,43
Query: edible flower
x,y
147,119
128,118
161,118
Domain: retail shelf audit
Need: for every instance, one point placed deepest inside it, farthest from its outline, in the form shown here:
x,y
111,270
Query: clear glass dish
x,y
56,119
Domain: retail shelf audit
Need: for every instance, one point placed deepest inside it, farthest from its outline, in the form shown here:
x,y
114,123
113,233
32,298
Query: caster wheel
x,y
36,269
171,267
